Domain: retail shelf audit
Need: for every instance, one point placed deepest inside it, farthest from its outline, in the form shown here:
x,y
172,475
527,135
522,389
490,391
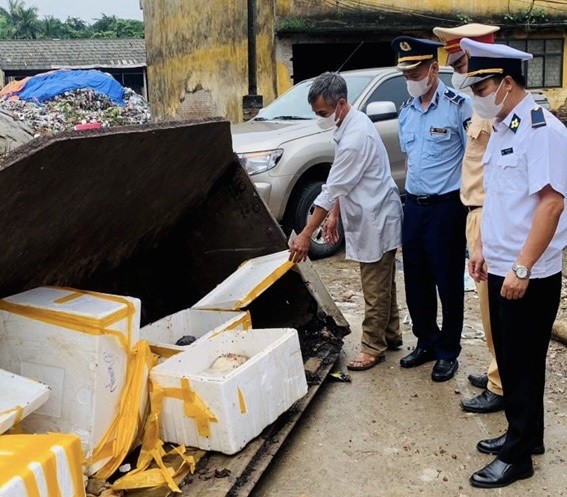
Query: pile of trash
x,y
77,107
63,100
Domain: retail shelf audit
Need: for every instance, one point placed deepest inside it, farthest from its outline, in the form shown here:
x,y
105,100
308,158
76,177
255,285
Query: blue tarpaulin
x,y
45,86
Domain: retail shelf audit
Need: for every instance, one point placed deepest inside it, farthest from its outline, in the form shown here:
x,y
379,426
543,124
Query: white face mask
x,y
418,88
457,81
326,122
486,107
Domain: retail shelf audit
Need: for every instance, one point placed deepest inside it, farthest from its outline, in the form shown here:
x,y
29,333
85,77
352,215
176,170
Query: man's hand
x,y
513,287
331,231
300,247
477,265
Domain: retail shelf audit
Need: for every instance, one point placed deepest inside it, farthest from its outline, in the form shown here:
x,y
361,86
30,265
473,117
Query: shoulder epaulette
x,y
538,119
407,103
454,97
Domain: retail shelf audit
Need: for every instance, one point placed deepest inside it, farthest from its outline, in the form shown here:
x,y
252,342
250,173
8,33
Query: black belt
x,y
434,199
471,208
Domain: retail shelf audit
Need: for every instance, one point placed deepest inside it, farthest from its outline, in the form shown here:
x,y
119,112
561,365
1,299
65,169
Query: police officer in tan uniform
x,y
472,196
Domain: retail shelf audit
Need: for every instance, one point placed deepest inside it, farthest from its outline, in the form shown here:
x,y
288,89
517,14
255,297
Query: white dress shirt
x,y
371,209
520,160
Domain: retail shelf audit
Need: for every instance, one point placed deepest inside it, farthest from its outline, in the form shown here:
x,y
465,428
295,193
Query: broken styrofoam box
x,y
78,343
19,397
226,388
250,280
193,323
41,466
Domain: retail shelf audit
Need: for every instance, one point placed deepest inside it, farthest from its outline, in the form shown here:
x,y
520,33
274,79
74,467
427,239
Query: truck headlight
x,y
260,162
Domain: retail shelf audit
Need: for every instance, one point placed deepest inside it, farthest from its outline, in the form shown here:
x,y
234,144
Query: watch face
x,y
522,272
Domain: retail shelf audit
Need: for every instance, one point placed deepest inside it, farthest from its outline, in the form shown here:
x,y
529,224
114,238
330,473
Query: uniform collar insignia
x,y
515,123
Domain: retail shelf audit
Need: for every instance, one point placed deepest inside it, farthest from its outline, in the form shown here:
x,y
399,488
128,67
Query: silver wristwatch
x,y
521,272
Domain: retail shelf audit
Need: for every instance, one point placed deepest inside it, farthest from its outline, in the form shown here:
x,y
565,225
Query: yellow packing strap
x,y
120,437
264,285
194,406
245,323
21,451
118,440
153,451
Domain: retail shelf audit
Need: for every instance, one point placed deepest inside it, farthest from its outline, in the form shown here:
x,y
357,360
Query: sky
x,y
87,10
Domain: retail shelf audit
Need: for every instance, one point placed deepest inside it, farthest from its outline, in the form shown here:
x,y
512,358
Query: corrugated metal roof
x,y
78,54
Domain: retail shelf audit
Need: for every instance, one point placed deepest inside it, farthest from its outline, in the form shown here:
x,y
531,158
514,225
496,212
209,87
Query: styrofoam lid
x,y
19,397
249,281
68,301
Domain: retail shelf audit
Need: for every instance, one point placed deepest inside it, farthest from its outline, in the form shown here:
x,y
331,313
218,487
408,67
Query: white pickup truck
x,y
288,156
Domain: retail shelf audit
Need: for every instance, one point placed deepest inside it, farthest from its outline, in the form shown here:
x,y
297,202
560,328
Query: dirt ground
x,y
393,432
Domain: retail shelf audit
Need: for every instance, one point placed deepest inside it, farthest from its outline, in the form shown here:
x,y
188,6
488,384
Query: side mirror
x,y
381,111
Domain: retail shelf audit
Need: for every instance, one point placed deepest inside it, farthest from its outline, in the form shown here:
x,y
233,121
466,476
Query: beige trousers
x,y
473,232
381,323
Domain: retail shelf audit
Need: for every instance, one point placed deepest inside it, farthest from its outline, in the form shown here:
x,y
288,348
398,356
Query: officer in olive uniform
x,y
433,126
523,233
472,196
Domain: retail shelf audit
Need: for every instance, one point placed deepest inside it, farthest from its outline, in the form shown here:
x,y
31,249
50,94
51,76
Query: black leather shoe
x,y
500,474
417,358
395,344
478,380
493,446
487,401
444,370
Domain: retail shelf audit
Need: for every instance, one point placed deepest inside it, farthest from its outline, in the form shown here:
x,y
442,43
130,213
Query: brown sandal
x,y
365,364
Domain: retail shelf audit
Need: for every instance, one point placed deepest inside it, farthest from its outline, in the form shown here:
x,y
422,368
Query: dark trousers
x,y
521,330
433,246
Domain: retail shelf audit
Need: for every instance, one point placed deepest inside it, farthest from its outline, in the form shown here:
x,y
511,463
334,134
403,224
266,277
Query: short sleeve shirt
x,y
434,141
523,156
472,185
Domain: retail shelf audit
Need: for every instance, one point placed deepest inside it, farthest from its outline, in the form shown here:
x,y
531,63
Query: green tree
x,y
22,22
51,27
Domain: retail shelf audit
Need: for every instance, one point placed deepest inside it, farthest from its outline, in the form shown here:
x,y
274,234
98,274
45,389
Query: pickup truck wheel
x,y
301,209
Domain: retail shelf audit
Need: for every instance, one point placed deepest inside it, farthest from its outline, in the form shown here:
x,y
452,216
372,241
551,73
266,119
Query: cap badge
x,y
405,46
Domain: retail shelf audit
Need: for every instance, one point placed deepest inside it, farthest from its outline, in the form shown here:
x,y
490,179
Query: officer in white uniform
x,y
523,234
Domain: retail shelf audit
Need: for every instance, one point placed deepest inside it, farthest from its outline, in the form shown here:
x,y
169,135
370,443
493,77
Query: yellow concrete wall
x,y
469,7
198,57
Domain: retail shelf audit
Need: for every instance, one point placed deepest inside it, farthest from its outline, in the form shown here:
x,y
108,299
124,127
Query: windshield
x,y
293,104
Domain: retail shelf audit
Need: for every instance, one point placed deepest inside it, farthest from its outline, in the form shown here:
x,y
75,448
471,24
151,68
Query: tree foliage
x,y
19,22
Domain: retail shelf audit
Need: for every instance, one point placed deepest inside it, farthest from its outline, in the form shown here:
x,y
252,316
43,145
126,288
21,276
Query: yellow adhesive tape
x,y
82,324
245,323
152,450
19,451
264,285
164,351
242,402
19,410
118,440
194,407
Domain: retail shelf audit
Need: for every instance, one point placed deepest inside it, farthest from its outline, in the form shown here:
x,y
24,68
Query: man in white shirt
x,y
360,185
523,233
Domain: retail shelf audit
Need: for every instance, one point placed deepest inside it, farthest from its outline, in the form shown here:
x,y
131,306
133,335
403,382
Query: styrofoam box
x,y
250,280
41,466
85,371
193,322
19,397
243,401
